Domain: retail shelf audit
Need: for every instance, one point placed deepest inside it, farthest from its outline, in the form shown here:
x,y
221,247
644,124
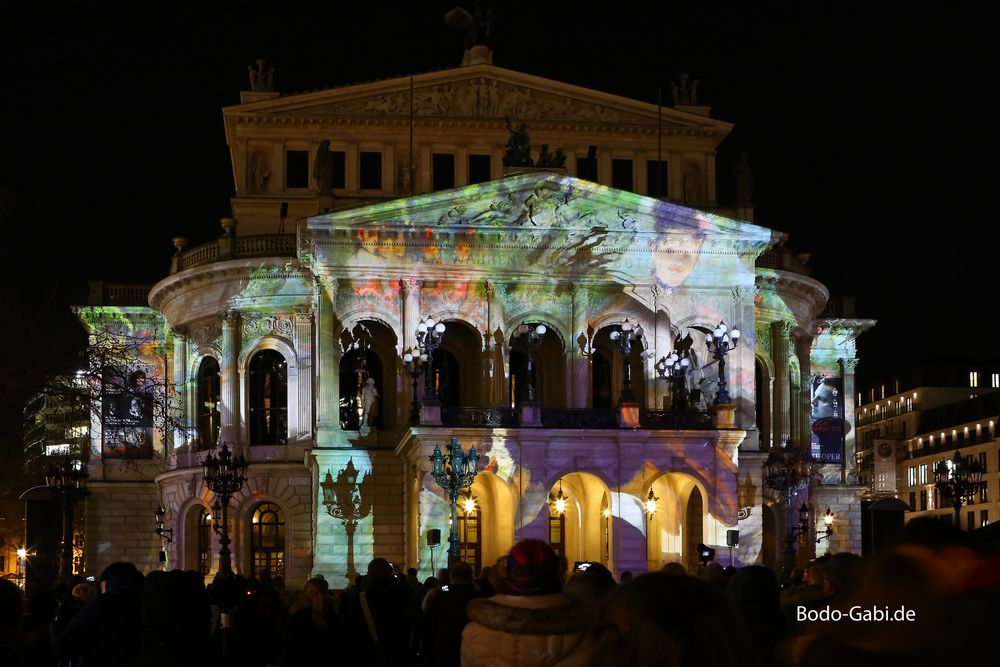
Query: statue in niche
x,y
260,172
685,91
323,168
369,406
475,27
260,80
518,150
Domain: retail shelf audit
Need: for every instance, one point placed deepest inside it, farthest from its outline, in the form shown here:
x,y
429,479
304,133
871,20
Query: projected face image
x,y
675,256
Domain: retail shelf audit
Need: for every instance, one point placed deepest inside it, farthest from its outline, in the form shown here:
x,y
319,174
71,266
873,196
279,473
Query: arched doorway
x,y
458,366
582,531
371,353
608,370
550,370
694,535
675,529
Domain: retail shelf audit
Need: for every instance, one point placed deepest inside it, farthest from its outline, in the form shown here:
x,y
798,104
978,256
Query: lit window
x,y
883,392
922,477
995,380
973,378
268,394
911,477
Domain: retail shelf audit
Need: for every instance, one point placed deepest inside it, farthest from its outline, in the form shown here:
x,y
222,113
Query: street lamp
x,y
346,501
828,522
166,534
650,504
414,363
960,479
224,476
454,472
429,335
675,368
529,336
559,502
22,558
786,470
720,342
67,483
627,333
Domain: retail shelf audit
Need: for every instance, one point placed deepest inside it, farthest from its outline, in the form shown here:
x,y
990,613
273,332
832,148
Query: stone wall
x,y
120,525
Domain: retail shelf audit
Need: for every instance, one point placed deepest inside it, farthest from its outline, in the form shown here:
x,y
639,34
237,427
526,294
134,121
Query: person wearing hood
x,y
530,622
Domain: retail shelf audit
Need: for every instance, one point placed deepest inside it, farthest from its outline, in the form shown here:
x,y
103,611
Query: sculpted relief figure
x,y
260,172
518,153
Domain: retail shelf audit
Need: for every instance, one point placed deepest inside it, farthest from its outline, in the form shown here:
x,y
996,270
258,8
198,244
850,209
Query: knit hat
x,y
532,569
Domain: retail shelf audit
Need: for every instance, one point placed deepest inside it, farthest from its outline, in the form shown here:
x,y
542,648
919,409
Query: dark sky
x,y
865,130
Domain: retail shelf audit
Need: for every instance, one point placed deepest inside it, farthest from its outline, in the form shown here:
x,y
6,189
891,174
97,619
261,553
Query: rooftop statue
x,y
259,79
518,153
323,168
474,26
685,91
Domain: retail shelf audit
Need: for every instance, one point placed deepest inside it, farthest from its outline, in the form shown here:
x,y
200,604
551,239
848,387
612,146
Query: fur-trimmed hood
x,y
555,614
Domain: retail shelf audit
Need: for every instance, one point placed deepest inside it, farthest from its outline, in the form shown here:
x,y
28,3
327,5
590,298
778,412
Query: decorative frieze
x,y
256,326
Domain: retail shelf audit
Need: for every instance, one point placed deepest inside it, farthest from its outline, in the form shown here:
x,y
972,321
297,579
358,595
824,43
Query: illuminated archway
x,y
584,526
678,525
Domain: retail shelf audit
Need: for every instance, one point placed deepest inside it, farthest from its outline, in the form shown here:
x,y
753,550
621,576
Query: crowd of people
x,y
930,600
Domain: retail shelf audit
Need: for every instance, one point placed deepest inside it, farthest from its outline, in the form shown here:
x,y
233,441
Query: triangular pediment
x,y
483,92
548,204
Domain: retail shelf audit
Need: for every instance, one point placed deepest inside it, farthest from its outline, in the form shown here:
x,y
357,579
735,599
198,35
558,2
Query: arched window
x,y
268,399
204,542
208,403
267,542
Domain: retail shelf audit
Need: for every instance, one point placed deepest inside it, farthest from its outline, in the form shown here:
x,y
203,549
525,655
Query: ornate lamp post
x,y
828,522
22,558
529,336
454,472
786,470
429,335
67,483
675,367
627,333
346,501
224,476
959,479
414,363
720,342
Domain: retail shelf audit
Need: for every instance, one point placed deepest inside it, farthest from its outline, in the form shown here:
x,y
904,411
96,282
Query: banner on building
x,y
127,413
885,466
828,424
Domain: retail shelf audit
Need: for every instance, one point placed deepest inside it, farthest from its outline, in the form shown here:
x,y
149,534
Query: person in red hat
x,y
530,622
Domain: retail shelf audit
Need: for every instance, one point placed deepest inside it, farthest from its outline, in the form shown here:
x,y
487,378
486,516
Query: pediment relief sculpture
x,y
484,97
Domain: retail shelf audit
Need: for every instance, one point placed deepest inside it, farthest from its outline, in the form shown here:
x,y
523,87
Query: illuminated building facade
x,y
272,333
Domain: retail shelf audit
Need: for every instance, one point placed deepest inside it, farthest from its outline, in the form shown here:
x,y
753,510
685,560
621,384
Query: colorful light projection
x,y
125,380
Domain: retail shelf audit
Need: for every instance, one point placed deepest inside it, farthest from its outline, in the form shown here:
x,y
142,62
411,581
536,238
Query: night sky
x,y
865,132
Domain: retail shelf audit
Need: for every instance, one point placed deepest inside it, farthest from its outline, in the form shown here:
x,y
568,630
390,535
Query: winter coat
x,y
525,631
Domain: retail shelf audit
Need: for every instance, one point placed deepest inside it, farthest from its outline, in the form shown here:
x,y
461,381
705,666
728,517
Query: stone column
x,y
303,319
411,310
230,378
580,363
780,332
180,363
803,402
327,364
849,473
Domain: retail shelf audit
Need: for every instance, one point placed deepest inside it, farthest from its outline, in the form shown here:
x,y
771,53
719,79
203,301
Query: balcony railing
x,y
236,247
560,418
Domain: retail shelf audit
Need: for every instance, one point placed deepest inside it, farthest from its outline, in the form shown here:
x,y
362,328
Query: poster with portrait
x,y
828,425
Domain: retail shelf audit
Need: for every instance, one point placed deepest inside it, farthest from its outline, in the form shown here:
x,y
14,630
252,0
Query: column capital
x,y
410,285
230,318
849,365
